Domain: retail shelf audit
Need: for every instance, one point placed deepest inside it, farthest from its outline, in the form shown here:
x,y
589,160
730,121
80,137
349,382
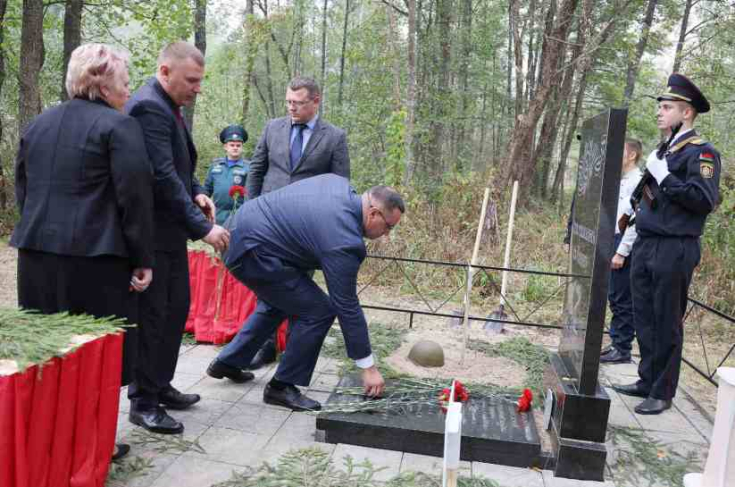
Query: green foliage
x,y
308,467
534,358
29,337
642,461
312,467
384,340
130,468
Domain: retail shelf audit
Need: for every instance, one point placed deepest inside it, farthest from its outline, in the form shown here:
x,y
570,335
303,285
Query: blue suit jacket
x,y
311,224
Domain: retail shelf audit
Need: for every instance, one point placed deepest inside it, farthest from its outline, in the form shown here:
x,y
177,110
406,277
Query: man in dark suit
x,y
292,148
181,211
277,240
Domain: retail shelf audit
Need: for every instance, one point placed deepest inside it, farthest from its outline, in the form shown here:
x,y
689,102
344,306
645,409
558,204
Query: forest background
x,y
439,97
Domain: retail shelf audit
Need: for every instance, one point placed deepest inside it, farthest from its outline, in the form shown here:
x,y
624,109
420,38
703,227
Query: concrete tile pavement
x,y
237,430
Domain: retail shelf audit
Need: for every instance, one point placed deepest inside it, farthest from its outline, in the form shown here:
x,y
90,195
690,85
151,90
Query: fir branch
x,y
174,444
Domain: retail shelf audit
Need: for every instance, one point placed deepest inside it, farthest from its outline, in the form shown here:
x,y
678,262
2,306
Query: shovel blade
x,y
491,325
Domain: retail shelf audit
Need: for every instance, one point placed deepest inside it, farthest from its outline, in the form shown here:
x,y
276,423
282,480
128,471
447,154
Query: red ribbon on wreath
x,y
524,402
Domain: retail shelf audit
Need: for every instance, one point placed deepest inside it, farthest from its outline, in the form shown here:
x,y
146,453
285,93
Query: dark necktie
x,y
298,142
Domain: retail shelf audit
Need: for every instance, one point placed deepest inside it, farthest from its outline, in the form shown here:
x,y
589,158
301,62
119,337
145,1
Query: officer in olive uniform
x,y
677,192
228,171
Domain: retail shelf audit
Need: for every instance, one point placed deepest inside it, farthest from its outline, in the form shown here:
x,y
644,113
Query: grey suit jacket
x,y
270,167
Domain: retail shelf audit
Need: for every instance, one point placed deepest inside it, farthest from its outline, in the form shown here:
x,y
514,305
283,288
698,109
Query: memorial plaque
x,y
492,430
581,407
593,231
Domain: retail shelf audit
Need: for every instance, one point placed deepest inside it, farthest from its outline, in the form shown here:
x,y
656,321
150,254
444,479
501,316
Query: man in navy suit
x,y
277,240
292,148
182,211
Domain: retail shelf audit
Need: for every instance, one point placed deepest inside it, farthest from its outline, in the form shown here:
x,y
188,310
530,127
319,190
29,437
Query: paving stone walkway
x,y
236,429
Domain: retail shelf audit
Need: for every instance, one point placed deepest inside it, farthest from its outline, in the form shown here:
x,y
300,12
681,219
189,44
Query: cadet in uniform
x,y
226,172
677,192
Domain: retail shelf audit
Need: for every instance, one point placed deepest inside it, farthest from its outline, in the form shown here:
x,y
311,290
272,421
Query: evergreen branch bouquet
x,y
28,337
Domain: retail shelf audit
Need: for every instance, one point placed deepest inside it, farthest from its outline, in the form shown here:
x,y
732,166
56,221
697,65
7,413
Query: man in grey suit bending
x,y
277,240
292,148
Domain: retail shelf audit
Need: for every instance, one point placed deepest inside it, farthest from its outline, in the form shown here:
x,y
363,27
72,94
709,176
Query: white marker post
x,y
452,441
719,471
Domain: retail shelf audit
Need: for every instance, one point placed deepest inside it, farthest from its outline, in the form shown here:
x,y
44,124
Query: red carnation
x,y
524,402
237,191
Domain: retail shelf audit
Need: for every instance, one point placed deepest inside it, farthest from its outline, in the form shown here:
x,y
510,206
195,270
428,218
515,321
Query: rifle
x,y
643,190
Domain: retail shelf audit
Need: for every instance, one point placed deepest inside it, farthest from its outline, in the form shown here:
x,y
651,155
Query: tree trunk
x,y
635,62
517,55
531,69
411,93
464,86
682,36
31,62
438,122
252,50
3,182
72,37
342,54
521,146
323,104
200,41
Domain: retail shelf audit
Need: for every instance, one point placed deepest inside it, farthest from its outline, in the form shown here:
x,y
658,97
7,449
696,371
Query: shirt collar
x,y
231,163
680,136
310,124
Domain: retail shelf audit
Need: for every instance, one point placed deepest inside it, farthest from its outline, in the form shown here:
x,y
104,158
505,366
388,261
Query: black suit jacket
x,y
270,167
173,157
83,184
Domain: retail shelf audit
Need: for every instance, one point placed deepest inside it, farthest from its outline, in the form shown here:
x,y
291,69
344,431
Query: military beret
x,y
233,133
679,88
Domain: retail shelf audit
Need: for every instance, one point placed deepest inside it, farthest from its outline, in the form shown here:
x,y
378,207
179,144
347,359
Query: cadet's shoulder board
x,y
707,165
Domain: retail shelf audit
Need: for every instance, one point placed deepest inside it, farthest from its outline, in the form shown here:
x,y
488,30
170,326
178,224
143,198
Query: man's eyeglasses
x,y
380,212
297,103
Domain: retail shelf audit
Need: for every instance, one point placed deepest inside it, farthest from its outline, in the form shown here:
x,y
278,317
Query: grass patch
x,y
534,358
642,461
312,467
384,340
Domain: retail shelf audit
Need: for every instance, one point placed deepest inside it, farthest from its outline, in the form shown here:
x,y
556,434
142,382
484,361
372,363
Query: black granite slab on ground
x,y
492,430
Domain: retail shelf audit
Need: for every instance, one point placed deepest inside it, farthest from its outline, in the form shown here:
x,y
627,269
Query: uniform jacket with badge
x,y
687,195
220,178
270,167
173,157
83,184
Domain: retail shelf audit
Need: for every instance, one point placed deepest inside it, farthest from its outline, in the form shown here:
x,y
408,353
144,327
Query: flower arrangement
x,y
460,395
237,191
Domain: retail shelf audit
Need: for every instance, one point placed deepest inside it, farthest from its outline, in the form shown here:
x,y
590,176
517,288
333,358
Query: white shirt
x,y
628,183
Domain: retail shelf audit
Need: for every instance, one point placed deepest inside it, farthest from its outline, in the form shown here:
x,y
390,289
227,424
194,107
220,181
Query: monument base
x,y
492,430
579,424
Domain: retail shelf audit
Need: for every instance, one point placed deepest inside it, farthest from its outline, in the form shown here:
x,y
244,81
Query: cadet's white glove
x,y
658,168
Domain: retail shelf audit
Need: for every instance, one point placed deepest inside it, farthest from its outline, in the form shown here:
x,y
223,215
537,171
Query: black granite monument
x,y
492,430
580,405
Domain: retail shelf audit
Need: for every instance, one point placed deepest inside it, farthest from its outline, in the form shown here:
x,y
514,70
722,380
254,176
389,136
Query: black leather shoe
x,y
630,390
157,421
615,357
220,370
174,399
290,397
266,355
653,406
606,350
121,449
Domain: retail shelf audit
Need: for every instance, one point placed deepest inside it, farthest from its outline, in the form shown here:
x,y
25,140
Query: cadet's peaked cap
x,y
679,88
233,133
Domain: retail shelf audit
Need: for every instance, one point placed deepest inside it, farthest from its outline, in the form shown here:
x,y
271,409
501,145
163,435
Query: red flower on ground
x,y
524,402
237,191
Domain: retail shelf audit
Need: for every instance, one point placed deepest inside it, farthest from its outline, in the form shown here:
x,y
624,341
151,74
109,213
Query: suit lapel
x,y
316,136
